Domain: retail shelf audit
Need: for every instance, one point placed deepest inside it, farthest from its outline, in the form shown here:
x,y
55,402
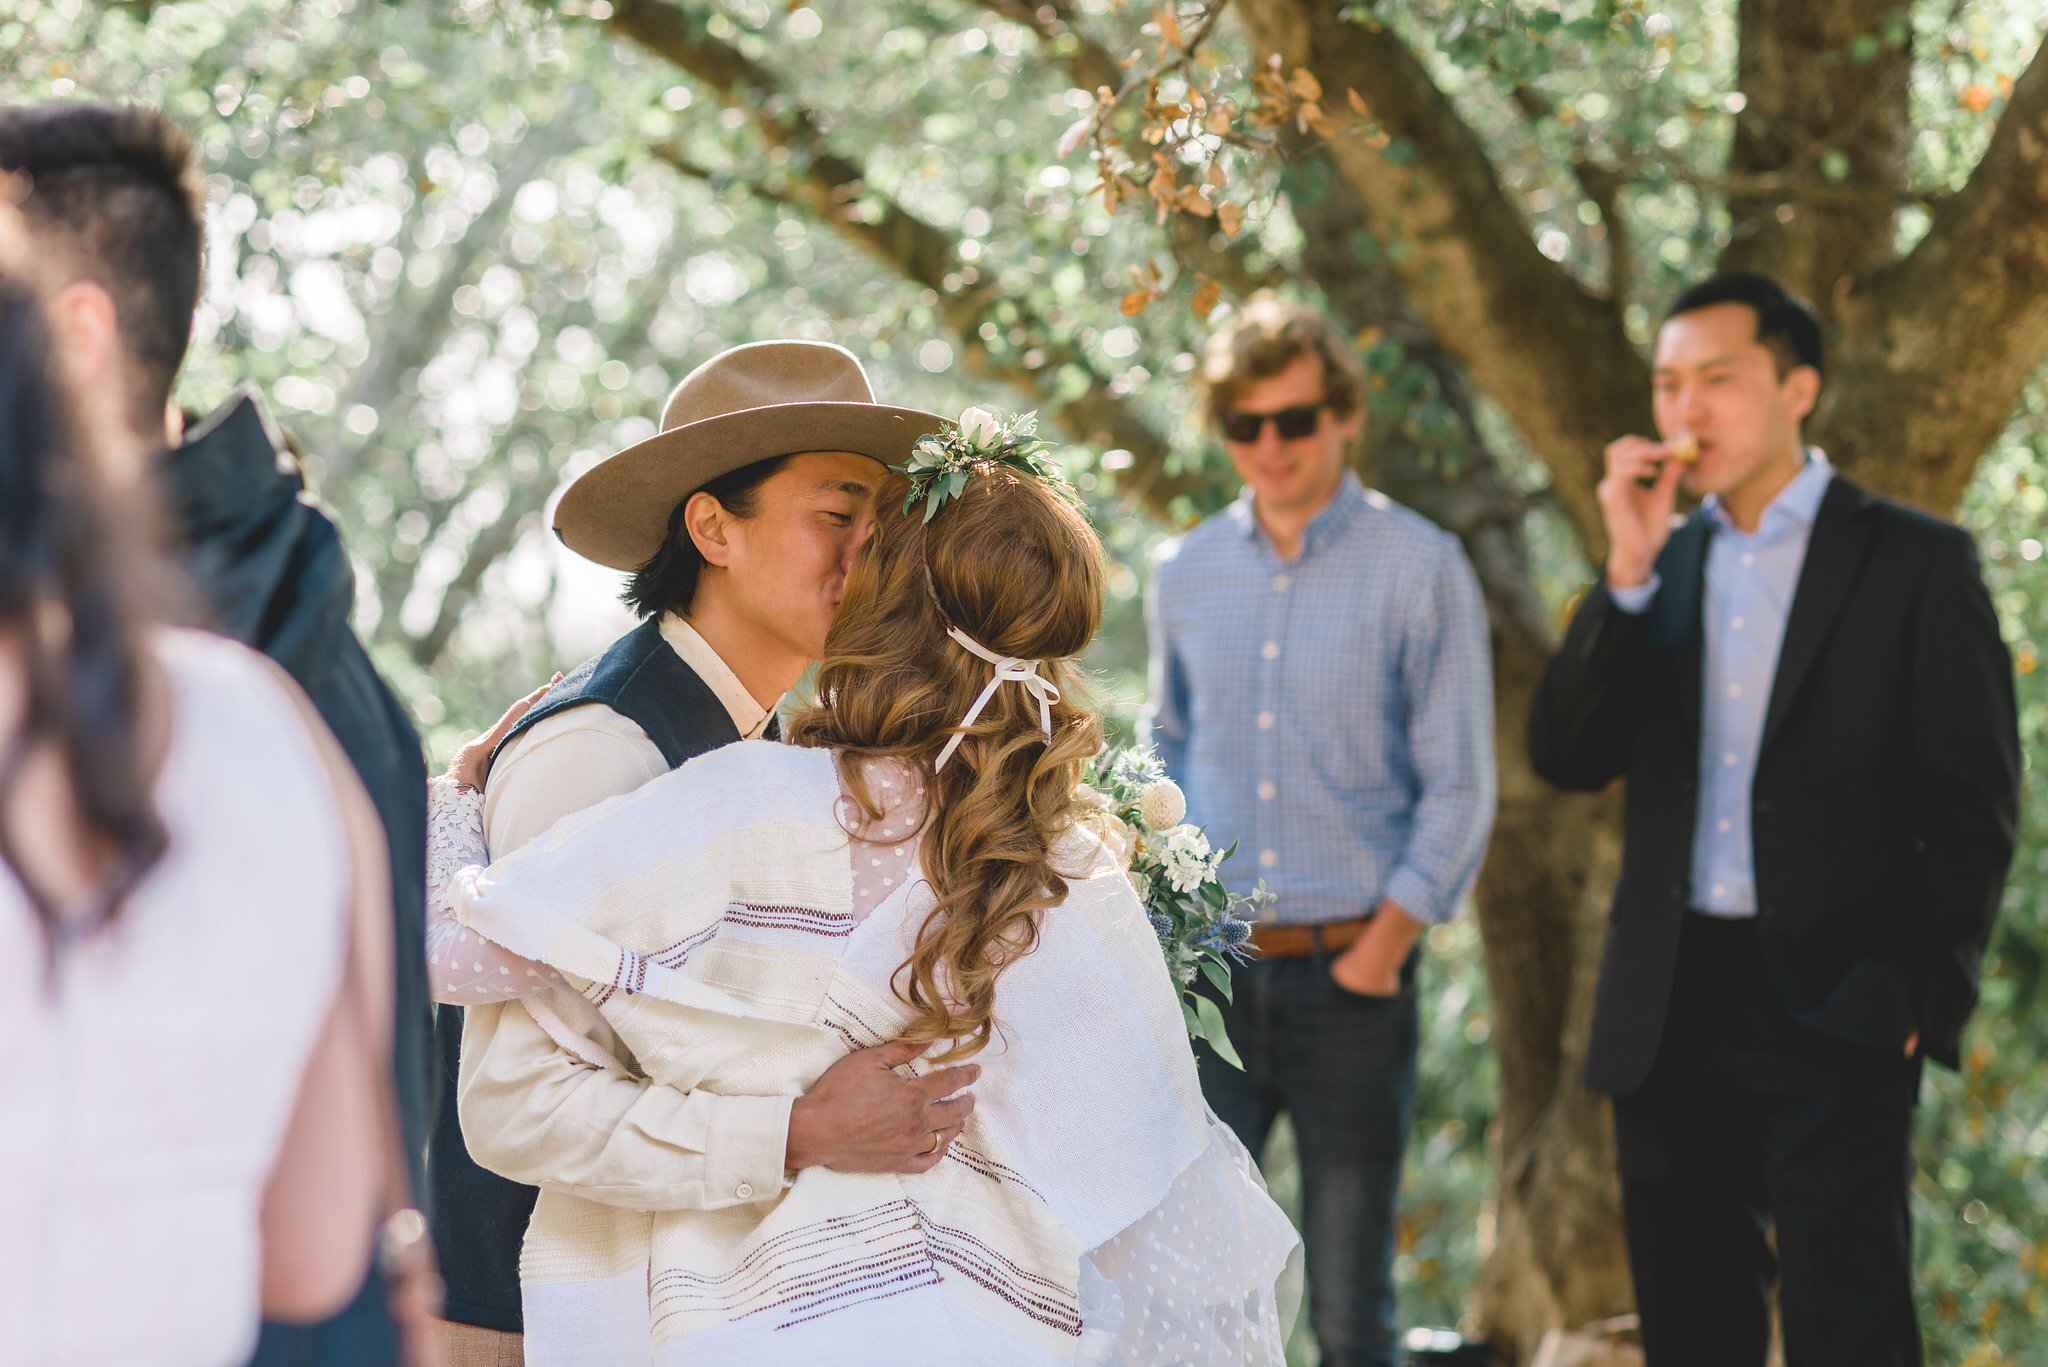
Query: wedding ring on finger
x,y
937,1139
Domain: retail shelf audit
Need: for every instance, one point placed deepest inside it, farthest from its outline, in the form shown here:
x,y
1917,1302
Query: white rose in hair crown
x,y
1126,798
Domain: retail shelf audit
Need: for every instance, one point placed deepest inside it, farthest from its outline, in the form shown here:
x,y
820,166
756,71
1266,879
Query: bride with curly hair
x,y
906,868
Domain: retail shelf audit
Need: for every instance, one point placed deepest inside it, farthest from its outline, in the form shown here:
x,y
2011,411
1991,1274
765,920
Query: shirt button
x,y
1748,559
1729,759
1734,690
1279,583
1719,891
743,1190
1266,791
1271,650
1268,858
1720,825
1735,625
1265,721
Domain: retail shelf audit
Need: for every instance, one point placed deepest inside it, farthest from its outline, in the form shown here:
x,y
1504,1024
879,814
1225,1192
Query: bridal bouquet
x,y
1127,800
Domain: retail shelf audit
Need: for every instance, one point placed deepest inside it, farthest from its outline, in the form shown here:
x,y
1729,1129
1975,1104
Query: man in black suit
x,y
1806,688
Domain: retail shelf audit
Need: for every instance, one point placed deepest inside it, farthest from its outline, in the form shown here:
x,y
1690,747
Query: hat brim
x,y
616,513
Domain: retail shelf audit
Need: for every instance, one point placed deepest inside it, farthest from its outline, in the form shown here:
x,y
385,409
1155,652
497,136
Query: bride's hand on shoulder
x,y
473,760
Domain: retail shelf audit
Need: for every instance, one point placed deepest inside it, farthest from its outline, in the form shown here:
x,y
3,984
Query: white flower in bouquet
x,y
977,426
1096,812
1162,805
1187,859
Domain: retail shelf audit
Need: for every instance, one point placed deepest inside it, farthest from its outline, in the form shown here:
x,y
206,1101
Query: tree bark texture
x,y
1825,87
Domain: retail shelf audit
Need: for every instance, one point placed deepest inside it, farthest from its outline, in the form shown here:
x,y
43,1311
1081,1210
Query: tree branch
x,y
1552,353
836,191
1090,66
1826,80
1936,349
419,319
486,548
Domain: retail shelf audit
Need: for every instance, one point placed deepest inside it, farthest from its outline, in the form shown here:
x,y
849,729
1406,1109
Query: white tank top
x,y
144,1092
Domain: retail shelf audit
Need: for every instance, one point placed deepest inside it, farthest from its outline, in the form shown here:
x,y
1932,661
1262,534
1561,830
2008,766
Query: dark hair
x,y
668,580
1265,338
1784,324
117,193
65,596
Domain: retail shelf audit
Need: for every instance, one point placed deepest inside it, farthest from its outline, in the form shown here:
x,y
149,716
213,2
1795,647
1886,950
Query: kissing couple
x,y
721,986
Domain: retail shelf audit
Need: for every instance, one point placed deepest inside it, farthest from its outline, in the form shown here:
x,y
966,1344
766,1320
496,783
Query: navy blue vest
x,y
642,679
479,1217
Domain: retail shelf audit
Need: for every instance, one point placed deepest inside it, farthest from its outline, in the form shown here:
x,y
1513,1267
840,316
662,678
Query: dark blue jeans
x,y
1343,1066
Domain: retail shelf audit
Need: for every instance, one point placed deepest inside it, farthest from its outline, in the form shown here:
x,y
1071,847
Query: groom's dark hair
x,y
668,580
114,196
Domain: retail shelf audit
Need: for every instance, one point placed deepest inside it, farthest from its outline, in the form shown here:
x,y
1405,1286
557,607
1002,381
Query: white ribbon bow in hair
x,y
1009,669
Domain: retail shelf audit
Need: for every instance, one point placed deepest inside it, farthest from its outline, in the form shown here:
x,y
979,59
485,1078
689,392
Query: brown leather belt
x,y
1273,940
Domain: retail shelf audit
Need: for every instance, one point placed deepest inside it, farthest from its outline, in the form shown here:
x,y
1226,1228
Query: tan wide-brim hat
x,y
746,404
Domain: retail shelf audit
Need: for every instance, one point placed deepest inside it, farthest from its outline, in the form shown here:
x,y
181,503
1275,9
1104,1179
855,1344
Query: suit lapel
x,y
1834,558
1684,573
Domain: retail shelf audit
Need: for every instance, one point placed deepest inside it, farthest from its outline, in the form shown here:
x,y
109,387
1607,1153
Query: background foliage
x,y
466,248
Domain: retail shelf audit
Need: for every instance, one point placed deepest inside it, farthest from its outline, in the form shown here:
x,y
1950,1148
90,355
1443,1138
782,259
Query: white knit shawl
x,y
708,917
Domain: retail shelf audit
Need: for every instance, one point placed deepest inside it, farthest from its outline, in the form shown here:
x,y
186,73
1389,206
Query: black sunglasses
x,y
1294,423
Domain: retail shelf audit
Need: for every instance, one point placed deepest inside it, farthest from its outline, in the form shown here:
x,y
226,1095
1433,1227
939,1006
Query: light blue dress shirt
x,y
1750,580
1333,713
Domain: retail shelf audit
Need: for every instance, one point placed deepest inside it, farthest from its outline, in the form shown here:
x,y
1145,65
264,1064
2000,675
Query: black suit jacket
x,y
1885,795
271,573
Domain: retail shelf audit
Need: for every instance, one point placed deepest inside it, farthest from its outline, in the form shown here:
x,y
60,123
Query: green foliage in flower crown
x,y
939,464
1126,798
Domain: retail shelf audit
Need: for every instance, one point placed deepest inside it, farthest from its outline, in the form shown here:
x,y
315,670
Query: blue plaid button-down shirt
x,y
1333,714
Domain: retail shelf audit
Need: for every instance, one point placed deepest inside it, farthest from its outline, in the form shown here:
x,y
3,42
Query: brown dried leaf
x,y
1169,25
1135,302
1303,83
1076,134
1194,202
1207,294
1216,174
1358,103
1229,218
1218,121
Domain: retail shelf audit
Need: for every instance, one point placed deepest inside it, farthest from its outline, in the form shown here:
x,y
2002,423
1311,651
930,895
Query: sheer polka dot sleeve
x,y
463,968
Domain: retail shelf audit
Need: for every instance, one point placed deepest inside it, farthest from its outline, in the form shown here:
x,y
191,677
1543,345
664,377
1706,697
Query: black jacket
x,y
1885,794
271,572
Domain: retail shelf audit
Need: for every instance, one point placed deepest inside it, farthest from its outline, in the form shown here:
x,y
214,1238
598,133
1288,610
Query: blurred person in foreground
x,y
172,1173
1321,685
907,872
112,213
1805,687
738,522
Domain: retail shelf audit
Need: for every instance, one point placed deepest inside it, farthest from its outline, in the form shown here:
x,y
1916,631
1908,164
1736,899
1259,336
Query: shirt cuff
x,y
1636,601
1415,895
744,1149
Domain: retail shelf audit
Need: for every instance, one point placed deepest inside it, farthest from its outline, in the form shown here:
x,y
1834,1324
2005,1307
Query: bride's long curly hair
x,y
1014,565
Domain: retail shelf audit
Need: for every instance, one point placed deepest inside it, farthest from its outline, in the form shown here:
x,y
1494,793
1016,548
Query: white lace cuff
x,y
463,968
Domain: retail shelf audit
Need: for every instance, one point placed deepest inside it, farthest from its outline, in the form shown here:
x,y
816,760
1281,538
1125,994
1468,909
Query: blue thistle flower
x,y
1162,926
1235,932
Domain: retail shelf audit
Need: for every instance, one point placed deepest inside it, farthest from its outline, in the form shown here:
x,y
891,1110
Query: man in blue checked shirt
x,y
1321,687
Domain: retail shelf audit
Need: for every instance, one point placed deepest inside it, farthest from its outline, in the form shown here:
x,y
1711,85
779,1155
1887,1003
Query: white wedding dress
x,y
1208,1276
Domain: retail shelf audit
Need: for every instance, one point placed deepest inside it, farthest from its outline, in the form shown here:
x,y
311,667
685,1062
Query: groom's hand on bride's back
x,y
864,1116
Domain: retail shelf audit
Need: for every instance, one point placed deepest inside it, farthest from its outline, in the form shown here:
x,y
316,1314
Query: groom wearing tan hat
x,y
738,522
